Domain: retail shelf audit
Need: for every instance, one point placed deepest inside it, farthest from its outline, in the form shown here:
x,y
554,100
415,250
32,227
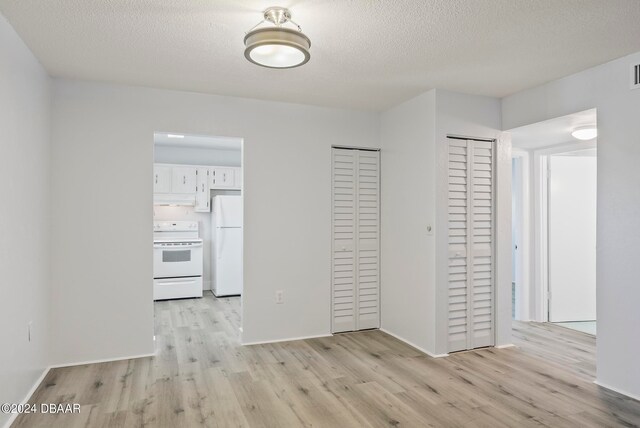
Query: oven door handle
x,y
177,247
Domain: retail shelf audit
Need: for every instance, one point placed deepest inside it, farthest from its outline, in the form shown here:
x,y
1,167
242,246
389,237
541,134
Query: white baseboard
x,y
106,360
291,339
509,345
28,396
619,391
413,345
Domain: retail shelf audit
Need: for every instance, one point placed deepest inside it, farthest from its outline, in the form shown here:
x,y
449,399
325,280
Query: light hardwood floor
x,y
203,377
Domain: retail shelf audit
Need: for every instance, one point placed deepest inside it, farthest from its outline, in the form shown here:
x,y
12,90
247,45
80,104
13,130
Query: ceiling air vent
x,y
635,76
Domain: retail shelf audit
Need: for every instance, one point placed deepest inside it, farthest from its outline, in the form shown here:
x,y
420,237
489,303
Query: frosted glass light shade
x,y
277,47
585,133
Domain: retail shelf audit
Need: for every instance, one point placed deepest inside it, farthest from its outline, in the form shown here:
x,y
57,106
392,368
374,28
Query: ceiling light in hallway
x,y
585,133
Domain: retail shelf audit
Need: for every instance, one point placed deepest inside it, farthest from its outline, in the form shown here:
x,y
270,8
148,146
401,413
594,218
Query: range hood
x,y
174,199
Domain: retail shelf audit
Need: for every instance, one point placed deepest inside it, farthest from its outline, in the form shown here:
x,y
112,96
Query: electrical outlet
x,y
280,296
29,326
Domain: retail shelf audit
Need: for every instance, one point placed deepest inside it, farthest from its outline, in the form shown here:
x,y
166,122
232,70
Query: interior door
x,y
368,239
572,238
343,264
355,240
482,256
470,230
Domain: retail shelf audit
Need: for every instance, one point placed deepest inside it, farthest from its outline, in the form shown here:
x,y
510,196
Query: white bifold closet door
x,y
355,261
471,242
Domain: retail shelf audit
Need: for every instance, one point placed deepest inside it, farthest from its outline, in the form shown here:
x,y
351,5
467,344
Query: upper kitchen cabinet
x,y
162,179
183,179
224,178
196,180
203,200
238,177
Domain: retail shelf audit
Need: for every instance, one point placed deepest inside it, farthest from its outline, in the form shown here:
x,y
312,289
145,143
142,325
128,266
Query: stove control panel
x,y
175,226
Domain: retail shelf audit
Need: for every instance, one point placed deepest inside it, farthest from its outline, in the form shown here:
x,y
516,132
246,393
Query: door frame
x,y
523,260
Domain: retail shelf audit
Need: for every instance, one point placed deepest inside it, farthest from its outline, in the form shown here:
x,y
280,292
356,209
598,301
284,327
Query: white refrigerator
x,y
227,245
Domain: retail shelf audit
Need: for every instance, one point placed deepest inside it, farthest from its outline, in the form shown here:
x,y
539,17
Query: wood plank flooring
x,y
203,377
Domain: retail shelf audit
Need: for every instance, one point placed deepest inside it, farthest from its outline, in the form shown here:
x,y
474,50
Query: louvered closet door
x,y
355,251
368,244
471,240
344,244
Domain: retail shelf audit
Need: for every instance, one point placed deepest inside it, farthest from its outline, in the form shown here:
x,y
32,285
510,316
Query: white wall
x,y
25,109
606,88
102,164
196,156
407,134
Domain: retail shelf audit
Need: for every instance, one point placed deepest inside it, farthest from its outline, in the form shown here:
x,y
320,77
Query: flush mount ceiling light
x,y
277,46
585,133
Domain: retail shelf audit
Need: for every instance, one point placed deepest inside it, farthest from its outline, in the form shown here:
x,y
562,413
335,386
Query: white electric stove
x,y
177,260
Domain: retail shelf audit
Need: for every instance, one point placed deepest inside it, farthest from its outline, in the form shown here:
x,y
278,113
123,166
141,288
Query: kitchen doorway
x,y
198,222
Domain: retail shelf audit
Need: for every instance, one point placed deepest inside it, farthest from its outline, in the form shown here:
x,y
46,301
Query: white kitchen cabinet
x,y
162,179
183,179
203,203
194,180
223,178
238,178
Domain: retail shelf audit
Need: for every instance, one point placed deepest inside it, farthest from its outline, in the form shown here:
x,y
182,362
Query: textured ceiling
x,y
365,54
552,132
